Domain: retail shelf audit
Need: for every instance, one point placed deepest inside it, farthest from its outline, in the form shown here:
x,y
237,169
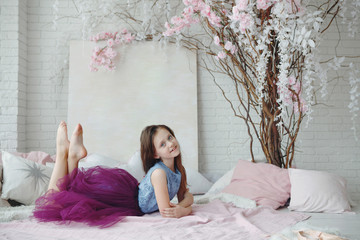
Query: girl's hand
x,y
175,211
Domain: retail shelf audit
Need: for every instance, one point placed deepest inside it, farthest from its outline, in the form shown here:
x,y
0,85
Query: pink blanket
x,y
215,220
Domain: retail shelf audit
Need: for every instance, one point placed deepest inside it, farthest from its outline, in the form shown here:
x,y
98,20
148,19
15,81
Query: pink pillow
x,y
35,156
264,183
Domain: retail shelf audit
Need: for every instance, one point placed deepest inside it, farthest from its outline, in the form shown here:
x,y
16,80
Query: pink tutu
x,y
96,196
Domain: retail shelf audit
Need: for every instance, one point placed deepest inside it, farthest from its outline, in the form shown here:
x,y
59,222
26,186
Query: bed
x,y
201,225
218,213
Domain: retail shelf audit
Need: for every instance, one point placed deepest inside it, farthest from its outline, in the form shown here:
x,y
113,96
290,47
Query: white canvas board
x,y
151,85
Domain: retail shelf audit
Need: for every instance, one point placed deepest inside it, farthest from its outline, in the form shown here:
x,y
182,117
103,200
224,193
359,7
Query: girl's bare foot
x,y
77,149
62,149
62,142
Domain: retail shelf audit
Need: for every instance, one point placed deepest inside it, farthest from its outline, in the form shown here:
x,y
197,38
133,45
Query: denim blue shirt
x,y
147,199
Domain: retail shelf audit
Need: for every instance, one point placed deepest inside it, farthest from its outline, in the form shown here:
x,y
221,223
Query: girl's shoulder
x,y
158,177
156,166
168,172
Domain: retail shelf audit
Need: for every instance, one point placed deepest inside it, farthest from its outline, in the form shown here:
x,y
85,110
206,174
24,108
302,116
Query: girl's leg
x,y
77,150
62,148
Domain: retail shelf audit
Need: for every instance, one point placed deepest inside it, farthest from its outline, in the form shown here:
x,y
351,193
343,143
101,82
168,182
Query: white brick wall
x,y
31,94
12,74
22,55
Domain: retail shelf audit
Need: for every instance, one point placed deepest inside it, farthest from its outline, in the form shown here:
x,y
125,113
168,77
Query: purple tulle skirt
x,y
97,196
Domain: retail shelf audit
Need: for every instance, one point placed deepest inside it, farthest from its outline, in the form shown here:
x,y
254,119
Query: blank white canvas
x,y
151,85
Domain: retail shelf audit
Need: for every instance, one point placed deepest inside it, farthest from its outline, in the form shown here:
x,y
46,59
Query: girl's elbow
x,y
162,212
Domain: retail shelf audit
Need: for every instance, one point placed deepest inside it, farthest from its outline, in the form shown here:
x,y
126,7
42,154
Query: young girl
x,y
165,174
103,196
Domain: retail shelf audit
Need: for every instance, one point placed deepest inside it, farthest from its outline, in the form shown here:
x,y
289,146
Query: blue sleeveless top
x,y
146,197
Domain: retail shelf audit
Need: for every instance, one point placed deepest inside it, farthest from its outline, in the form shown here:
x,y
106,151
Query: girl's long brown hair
x,y
147,151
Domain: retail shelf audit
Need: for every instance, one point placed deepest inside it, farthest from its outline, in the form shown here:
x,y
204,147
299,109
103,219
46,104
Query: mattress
x,y
346,225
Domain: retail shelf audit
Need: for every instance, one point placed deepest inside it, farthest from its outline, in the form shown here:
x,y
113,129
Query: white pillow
x,y
221,183
95,159
198,184
134,166
23,180
315,191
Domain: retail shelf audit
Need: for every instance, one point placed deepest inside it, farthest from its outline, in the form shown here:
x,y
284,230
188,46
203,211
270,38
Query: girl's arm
x,y
159,182
186,200
167,209
183,208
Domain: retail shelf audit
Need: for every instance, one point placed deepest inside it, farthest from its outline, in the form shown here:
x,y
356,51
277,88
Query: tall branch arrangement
x,y
267,49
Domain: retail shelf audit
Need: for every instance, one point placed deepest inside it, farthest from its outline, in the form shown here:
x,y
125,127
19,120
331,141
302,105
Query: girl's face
x,y
166,145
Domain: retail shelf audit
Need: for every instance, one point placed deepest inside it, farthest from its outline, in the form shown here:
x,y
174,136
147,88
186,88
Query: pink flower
x,y
241,5
129,38
167,26
228,45
214,19
189,10
206,11
233,49
221,55
187,18
96,49
217,40
103,57
291,80
186,2
101,36
178,23
110,53
291,95
176,20
303,106
294,6
235,14
297,88
169,32
293,85
236,11
110,42
263,4
246,22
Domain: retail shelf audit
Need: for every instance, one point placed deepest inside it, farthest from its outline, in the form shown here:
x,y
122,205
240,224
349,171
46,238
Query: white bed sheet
x,y
346,225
